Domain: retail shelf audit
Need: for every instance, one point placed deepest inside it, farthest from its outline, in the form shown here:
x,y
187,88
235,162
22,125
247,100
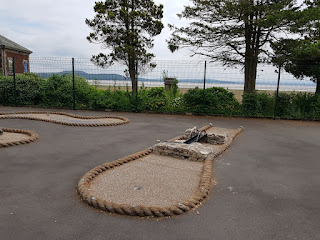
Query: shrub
x,y
119,100
58,91
156,99
98,99
258,104
28,89
298,106
211,101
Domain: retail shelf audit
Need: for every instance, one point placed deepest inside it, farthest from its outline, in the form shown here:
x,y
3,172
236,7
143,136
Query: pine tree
x,y
234,32
126,28
301,57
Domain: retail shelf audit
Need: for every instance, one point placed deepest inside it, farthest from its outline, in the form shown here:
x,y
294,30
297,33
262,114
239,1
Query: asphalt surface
x,y
268,181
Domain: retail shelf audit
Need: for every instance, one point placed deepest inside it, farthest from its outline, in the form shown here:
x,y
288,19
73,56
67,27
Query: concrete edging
x,y
33,136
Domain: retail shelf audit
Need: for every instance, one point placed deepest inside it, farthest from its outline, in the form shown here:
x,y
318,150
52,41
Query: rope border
x,y
4,115
33,136
200,195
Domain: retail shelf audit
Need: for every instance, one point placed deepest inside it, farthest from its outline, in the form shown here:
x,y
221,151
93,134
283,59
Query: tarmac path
x,y
268,181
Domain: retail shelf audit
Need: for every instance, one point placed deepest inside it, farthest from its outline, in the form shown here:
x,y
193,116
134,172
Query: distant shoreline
x,y
190,85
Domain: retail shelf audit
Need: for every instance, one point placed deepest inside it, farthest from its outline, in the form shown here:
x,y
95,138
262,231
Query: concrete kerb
x,y
201,194
33,136
4,115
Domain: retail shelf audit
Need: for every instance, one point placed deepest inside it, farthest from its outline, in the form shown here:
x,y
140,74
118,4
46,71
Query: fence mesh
x,y
296,97
190,74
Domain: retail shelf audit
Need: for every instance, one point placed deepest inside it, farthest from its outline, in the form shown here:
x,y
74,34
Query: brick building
x,y
10,49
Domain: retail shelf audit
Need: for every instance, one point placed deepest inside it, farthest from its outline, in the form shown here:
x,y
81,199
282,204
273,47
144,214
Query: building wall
x,y
1,61
19,60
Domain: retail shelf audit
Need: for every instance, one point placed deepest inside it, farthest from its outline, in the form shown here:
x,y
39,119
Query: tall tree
x,y
126,28
301,57
234,32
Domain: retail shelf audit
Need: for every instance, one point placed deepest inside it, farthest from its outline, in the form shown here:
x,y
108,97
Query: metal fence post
x,y
277,95
14,83
204,84
204,78
73,86
137,75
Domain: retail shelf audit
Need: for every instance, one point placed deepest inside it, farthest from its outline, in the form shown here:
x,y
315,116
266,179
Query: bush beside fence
x,y
58,91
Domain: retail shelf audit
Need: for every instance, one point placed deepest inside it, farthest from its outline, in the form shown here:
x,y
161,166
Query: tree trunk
x,y
132,73
251,54
318,87
250,74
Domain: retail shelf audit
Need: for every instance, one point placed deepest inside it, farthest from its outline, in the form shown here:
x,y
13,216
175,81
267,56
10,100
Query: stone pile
x,y
217,139
194,151
212,138
190,133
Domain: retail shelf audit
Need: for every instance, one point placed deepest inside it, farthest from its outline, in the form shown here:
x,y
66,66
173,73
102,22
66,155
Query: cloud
x,y
57,27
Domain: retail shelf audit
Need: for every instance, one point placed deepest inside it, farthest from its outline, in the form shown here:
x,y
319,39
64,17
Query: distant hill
x,y
118,77
88,76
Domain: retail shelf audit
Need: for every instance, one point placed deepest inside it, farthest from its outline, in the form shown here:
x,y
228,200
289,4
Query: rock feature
x,y
217,139
1,131
194,151
191,132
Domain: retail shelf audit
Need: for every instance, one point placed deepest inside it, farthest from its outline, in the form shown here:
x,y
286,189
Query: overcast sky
x,y
57,27
53,28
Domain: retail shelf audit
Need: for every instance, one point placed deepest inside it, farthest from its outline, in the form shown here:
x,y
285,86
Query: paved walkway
x,y
268,182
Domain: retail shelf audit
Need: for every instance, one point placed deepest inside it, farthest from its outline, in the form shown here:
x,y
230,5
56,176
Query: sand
x,y
13,137
67,119
153,180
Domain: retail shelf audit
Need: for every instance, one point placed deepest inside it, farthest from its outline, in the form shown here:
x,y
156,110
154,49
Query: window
x,y
25,66
10,65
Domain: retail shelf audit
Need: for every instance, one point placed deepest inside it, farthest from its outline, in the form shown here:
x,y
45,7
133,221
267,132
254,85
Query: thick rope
x,y
200,195
4,115
32,137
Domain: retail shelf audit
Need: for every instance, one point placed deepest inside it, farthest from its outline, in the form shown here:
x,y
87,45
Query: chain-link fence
x,y
197,87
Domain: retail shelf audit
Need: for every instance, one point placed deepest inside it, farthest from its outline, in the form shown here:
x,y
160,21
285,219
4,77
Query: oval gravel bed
x,y
14,137
146,184
67,119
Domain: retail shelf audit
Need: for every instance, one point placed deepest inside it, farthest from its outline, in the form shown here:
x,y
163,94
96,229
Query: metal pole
x,y
14,83
205,76
73,86
204,81
137,74
277,95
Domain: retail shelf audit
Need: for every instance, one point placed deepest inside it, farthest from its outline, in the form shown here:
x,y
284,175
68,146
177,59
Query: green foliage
x,y
29,89
156,99
58,91
290,105
234,32
127,28
98,99
119,100
211,101
300,58
298,106
258,104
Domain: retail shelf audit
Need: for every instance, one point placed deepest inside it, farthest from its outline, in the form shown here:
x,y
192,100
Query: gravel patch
x,y
153,180
12,137
68,119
